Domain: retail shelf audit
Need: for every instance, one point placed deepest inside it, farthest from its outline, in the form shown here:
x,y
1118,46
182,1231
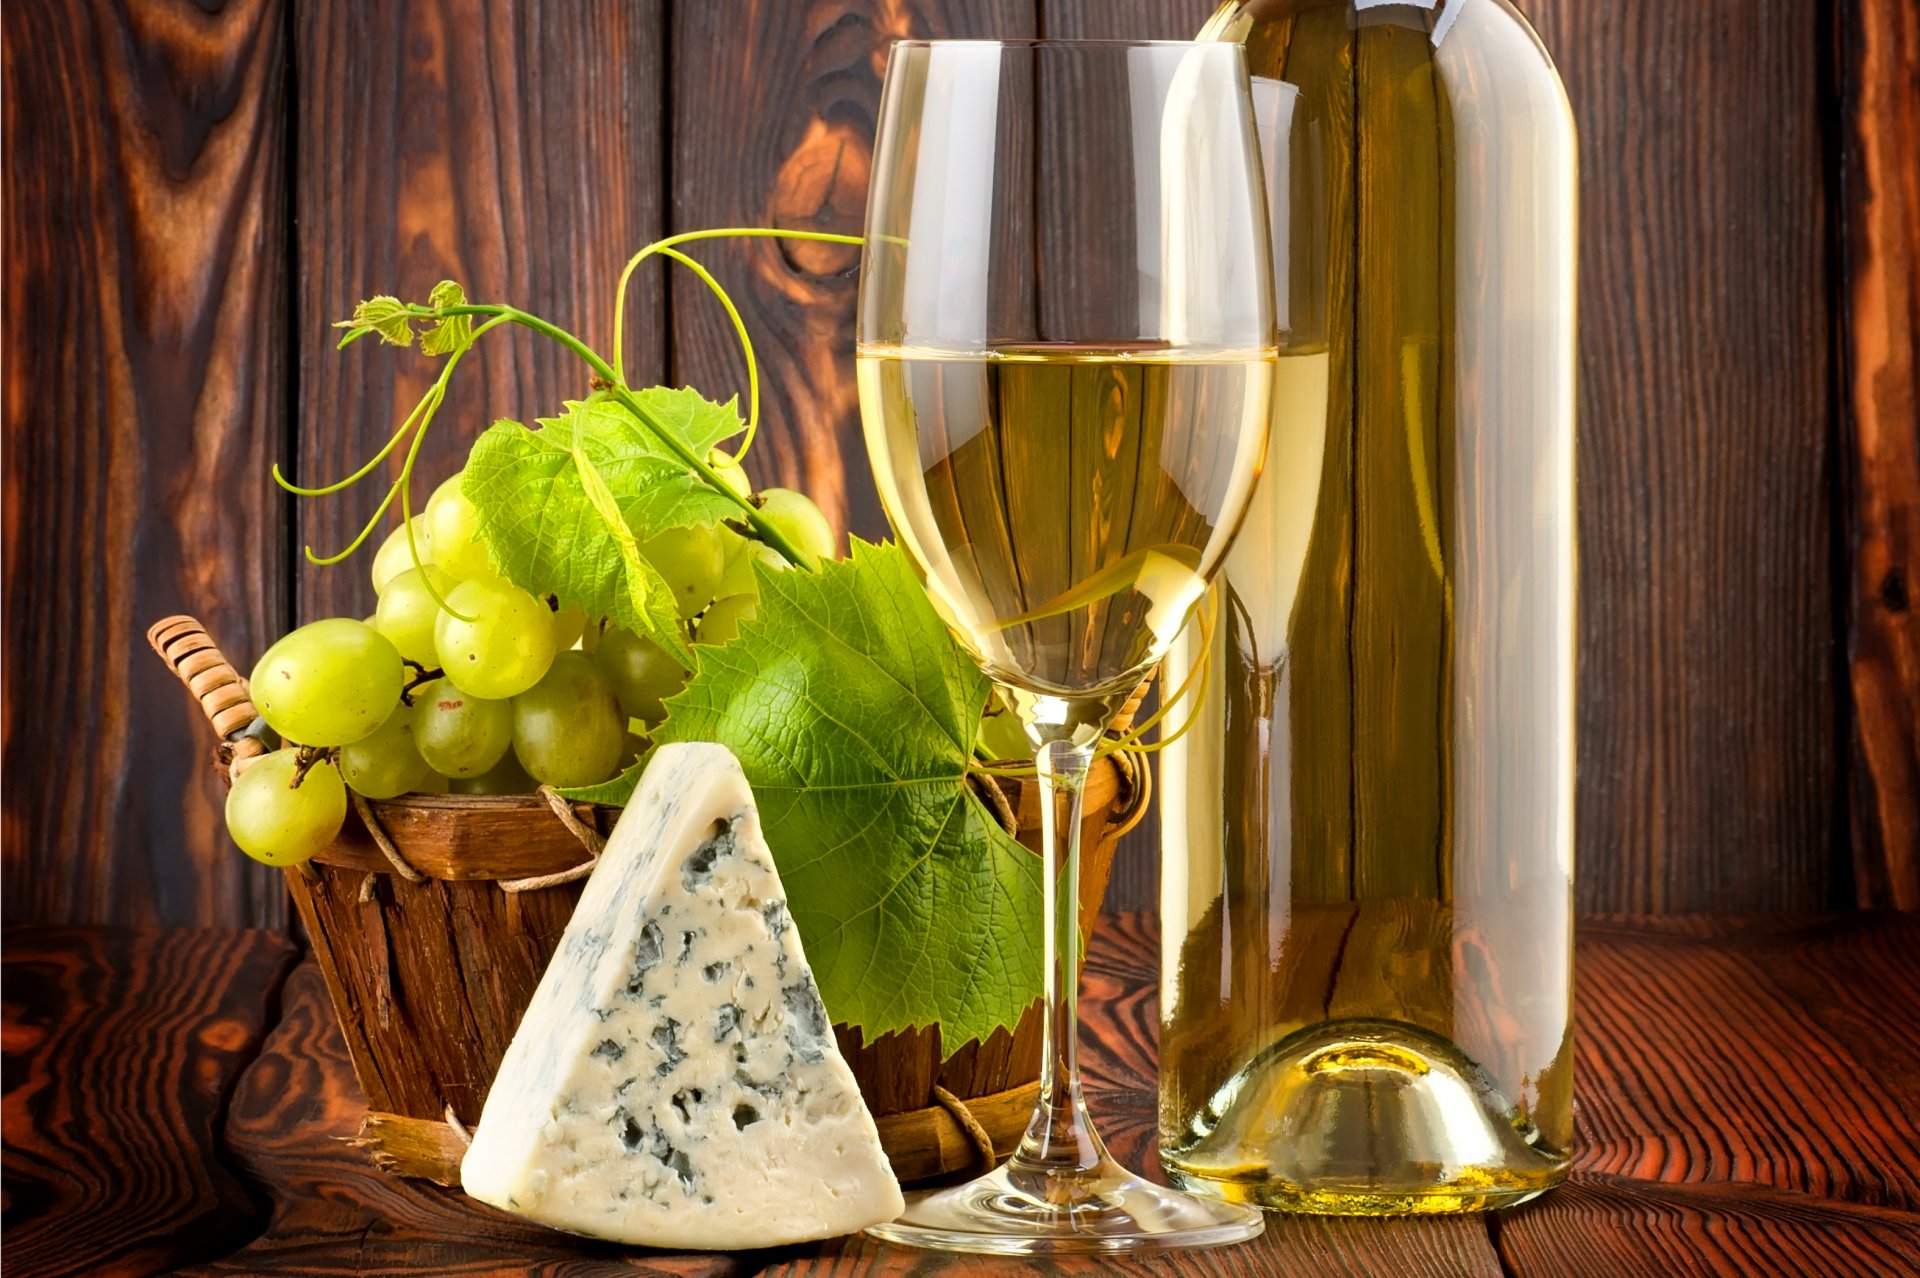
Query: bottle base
x,y
1464,1195
1363,1118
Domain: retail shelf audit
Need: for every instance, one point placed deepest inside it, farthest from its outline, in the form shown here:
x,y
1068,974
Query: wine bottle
x,y
1368,828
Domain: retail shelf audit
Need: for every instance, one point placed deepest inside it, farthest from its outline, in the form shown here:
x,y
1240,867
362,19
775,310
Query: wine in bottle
x,y
1368,830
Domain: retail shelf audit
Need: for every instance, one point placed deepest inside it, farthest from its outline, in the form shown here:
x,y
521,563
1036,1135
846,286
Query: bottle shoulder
x,y
1269,24
1489,64
1502,20
1492,54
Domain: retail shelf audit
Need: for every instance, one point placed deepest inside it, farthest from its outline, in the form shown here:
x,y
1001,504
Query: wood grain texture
x,y
430,979
1761,1051
1878,55
121,1047
1607,1227
1124,19
1136,861
1444,1248
514,147
293,1115
773,113
1706,1145
416,1147
469,838
145,394
1707,703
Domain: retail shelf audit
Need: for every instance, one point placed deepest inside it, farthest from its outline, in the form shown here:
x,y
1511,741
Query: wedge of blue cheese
x,y
675,1081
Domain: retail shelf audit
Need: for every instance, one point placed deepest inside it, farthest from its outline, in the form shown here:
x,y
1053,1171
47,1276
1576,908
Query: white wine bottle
x,y
1368,828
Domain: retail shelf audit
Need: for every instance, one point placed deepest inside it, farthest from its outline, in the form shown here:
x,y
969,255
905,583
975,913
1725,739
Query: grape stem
x,y
304,760
666,249
422,676
763,529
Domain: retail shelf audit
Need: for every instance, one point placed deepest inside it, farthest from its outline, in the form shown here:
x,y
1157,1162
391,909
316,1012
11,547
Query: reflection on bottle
x,y
1368,831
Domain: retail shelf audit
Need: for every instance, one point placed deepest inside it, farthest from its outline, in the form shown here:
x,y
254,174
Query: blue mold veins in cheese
x,y
675,1082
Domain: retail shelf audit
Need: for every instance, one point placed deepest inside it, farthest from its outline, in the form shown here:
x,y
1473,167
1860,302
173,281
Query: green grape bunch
x,y
463,682
537,615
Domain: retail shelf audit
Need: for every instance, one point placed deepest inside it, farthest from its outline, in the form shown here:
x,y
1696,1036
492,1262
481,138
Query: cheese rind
x,y
675,1082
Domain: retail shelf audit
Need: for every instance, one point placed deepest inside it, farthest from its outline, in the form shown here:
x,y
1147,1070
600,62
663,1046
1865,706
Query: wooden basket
x,y
432,918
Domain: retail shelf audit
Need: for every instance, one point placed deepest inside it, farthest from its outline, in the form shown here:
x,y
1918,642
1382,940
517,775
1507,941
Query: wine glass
x,y
1066,351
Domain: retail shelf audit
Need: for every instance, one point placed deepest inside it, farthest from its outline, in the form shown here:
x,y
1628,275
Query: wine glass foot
x,y
1111,1212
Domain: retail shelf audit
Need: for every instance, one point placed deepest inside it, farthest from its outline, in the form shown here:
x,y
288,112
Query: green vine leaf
x,y
384,315
601,498
450,332
854,714
563,507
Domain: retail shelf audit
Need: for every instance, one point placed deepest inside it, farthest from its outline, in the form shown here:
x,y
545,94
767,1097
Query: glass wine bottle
x,y
1368,828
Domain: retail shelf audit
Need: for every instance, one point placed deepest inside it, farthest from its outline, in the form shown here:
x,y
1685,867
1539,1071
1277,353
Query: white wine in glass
x,y
1066,504
1066,356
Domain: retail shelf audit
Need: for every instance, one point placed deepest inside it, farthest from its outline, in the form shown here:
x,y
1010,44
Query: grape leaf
x,y
385,315
854,713
451,332
655,489
547,500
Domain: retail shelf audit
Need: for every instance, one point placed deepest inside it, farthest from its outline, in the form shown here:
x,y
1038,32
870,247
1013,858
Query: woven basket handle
x,y
183,643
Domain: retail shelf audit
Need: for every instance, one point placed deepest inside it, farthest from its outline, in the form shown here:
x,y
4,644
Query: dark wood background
x,y
193,190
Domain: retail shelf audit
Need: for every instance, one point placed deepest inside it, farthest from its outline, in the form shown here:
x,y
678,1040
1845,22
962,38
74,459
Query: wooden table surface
x,y
1748,1103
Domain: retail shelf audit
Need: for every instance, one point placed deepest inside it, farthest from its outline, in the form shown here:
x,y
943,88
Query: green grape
x,y
569,627
328,683
408,611
642,673
393,557
507,646
728,471
737,577
454,523
385,764
568,728
799,521
721,621
504,777
459,735
277,821
690,558
733,547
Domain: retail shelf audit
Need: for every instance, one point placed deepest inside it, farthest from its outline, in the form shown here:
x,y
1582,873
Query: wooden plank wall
x,y
1876,56
439,139
148,380
190,196
1709,766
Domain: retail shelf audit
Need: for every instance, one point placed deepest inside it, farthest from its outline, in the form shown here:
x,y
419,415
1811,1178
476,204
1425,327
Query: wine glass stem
x,y
1060,1144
